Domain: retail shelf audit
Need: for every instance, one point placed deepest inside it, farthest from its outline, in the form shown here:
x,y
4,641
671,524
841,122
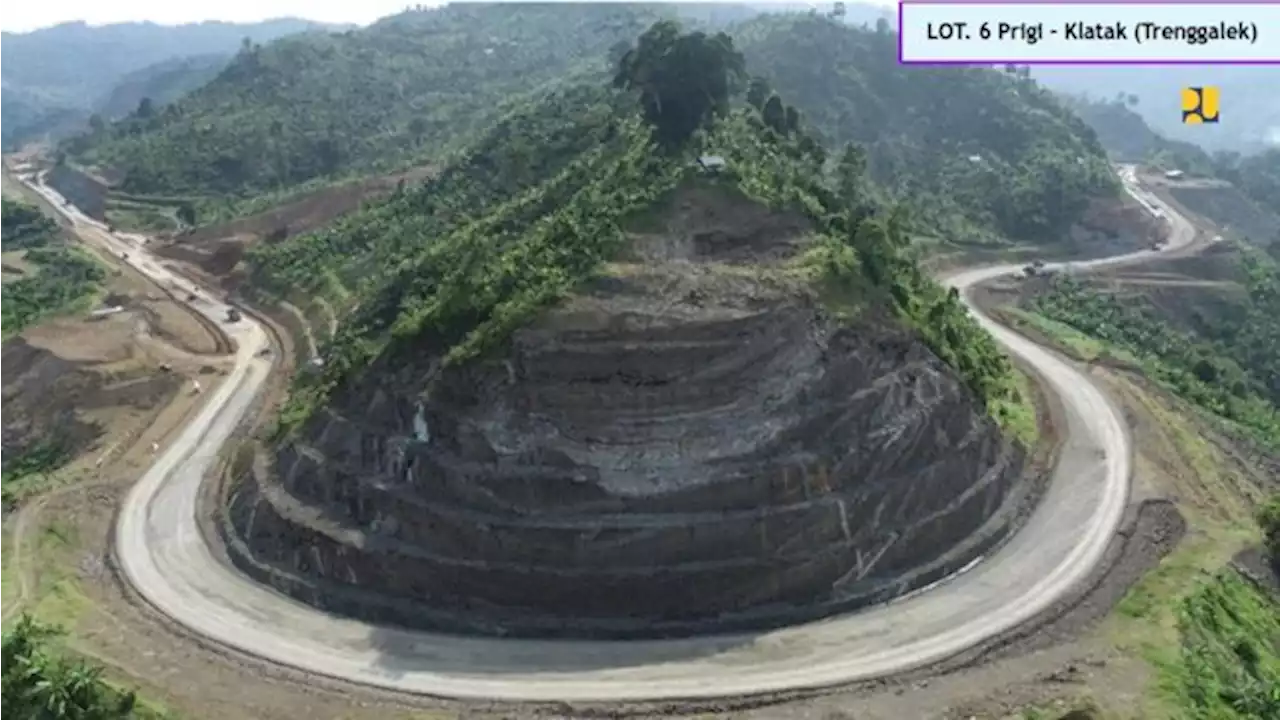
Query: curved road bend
x,y
164,557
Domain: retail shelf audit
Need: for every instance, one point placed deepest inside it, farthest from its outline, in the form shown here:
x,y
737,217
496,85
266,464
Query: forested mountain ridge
x,y
1006,160
54,77
322,106
978,150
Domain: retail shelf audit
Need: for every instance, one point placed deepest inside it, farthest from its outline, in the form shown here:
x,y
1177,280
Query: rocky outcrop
x,y
691,445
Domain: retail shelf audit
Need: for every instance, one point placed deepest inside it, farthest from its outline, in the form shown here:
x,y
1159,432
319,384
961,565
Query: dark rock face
x,y
83,191
680,450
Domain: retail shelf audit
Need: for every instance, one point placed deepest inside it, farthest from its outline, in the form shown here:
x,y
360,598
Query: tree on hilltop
x,y
684,80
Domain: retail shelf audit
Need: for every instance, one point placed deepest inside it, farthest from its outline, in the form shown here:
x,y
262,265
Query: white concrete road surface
x,y
163,556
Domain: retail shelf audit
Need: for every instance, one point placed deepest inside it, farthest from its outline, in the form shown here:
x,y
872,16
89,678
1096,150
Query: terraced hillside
x,y
619,394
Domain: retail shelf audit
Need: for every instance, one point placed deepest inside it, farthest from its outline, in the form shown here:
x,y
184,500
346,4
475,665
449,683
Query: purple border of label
x,y
903,3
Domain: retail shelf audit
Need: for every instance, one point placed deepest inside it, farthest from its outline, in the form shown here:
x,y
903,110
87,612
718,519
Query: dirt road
x,y
163,556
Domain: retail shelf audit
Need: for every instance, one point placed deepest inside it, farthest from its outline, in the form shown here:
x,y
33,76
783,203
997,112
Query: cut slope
x,y
689,443
626,396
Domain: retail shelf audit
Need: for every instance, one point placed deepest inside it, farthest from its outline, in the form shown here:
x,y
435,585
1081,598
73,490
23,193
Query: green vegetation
x,y
41,682
544,199
35,461
676,101
55,78
1258,176
161,83
328,106
1229,664
1269,521
23,226
1234,374
979,154
1124,133
64,278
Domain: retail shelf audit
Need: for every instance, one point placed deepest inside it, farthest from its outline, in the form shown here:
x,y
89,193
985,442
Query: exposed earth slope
x,y
692,443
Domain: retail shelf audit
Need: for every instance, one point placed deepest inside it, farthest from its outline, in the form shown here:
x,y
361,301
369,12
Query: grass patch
x,y
1228,660
1018,414
58,598
1072,341
140,218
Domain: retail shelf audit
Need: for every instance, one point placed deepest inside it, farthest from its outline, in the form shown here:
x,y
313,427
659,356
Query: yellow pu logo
x,y
1199,105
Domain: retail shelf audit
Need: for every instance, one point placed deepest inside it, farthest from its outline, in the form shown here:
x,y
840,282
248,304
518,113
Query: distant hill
x,y
55,74
163,83
1248,206
1250,104
979,151
1128,138
318,106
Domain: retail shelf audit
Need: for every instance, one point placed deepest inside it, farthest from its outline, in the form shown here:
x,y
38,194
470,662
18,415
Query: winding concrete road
x,y
163,556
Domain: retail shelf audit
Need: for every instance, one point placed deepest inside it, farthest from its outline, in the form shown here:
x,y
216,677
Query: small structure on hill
x,y
106,311
711,164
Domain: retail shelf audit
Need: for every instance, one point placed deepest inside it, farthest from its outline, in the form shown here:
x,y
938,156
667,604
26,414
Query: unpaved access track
x,y
163,556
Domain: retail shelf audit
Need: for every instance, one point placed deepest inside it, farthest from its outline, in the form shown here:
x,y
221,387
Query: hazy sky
x,y
29,15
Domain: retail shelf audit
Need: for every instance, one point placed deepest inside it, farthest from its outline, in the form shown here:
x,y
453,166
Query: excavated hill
x,y
690,444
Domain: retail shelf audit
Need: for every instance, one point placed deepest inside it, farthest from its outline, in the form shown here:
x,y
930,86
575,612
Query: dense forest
x,y
400,91
59,279
980,155
162,83
535,207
